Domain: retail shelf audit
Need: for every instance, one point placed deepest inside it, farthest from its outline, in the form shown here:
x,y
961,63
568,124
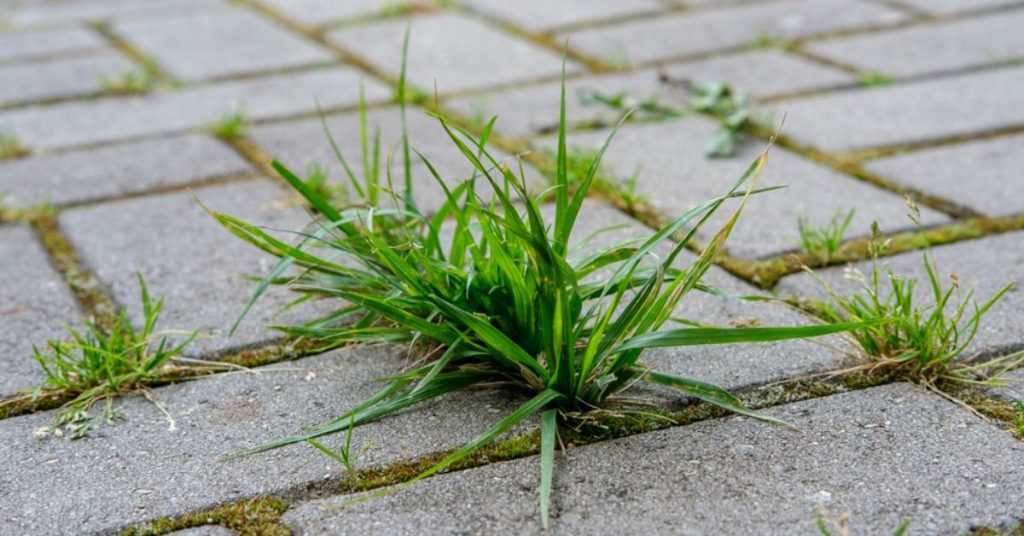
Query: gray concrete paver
x,y
451,49
36,305
130,168
72,77
539,15
34,44
219,43
940,466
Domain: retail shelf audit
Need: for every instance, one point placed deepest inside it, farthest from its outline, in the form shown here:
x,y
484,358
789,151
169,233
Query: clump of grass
x,y
11,147
486,293
127,82
230,125
923,343
823,242
730,107
649,109
98,365
873,79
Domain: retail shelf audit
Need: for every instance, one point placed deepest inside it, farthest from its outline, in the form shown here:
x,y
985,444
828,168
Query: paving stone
x,y
733,366
675,176
448,49
931,48
528,110
982,175
29,45
22,83
540,15
51,13
940,466
319,12
949,7
141,470
761,73
220,43
36,305
90,175
301,145
684,34
1014,389
116,119
188,258
907,113
985,264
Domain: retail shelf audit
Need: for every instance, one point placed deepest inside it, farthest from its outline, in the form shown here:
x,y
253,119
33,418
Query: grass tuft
x,y
823,242
230,125
486,293
128,82
98,365
11,147
873,79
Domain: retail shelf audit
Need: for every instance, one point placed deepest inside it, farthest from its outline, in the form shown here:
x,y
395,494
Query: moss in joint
x,y
260,516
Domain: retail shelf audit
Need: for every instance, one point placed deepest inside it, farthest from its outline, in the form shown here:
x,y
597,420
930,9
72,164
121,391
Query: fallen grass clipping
x,y
486,292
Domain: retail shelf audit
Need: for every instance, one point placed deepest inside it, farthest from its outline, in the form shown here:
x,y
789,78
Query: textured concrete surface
x,y
31,313
933,48
760,73
37,44
984,265
686,34
185,256
883,454
981,175
674,176
47,13
118,119
948,7
539,15
908,113
220,43
132,168
142,469
441,51
24,83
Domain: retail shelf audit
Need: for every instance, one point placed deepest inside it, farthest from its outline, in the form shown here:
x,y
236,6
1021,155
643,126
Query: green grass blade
x,y
700,336
707,392
548,430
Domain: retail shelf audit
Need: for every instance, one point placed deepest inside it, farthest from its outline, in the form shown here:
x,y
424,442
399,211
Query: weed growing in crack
x,y
649,109
718,99
344,454
11,147
98,365
486,292
230,125
873,79
127,82
578,164
823,242
923,343
829,525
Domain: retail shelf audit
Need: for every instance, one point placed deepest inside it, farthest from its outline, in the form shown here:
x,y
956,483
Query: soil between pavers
x,y
883,454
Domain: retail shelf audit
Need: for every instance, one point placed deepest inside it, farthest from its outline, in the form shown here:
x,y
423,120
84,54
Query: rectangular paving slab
x,y
303,146
71,77
319,12
143,469
907,113
131,168
449,49
35,304
114,119
675,175
223,42
35,44
985,265
883,454
983,175
52,13
185,256
931,48
689,33
539,15
948,7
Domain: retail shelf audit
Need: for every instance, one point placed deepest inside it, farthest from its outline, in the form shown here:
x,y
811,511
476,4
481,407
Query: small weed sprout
x,y
11,147
923,343
718,99
97,366
230,125
823,242
829,525
127,82
873,79
317,180
649,109
498,302
344,455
